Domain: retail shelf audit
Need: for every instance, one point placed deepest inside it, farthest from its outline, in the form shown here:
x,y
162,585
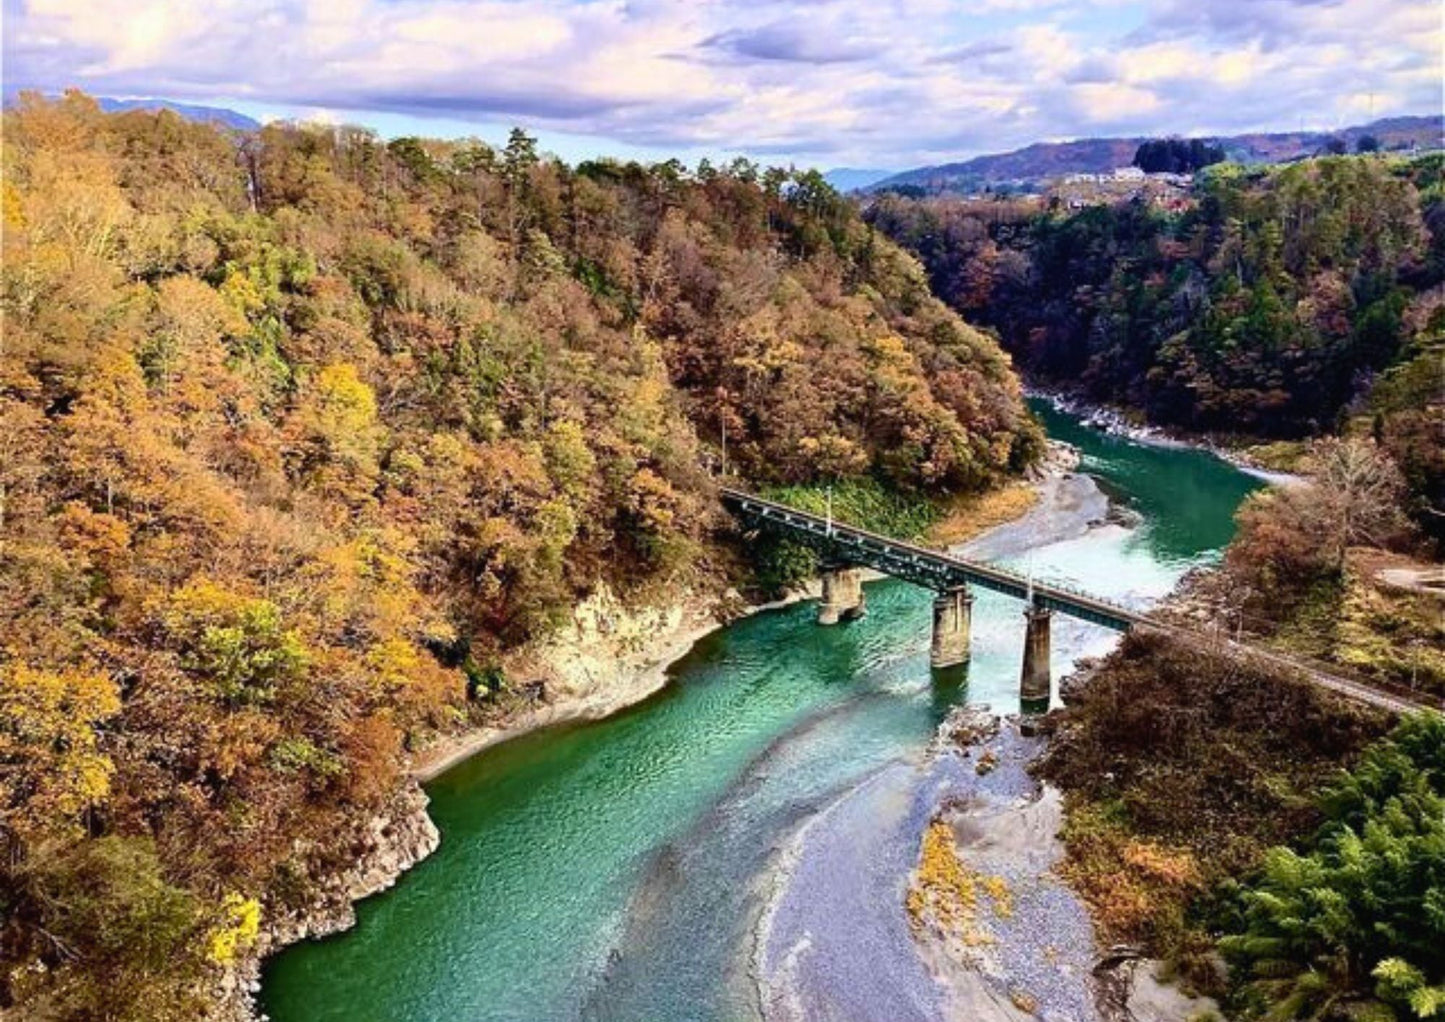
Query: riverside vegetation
x,y
303,430
1209,812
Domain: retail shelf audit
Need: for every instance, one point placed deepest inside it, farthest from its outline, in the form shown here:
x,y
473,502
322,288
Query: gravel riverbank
x,y
1030,950
836,941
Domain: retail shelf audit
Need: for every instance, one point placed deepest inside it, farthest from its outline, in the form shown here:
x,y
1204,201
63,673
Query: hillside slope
x,y
1283,302
302,431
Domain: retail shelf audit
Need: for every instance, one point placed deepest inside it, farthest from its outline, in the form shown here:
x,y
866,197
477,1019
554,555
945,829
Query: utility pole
x,y
1029,569
830,510
722,417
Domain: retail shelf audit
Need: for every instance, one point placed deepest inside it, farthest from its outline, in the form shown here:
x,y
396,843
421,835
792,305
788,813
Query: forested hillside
x,y
299,430
1271,307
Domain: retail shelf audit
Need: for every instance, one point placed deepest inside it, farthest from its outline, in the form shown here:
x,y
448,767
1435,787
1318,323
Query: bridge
x,y
844,548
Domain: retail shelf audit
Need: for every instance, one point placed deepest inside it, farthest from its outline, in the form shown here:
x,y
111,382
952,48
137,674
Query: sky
x,y
830,83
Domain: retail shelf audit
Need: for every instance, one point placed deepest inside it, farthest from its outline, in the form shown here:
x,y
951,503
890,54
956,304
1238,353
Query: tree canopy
x,y
1353,925
1177,155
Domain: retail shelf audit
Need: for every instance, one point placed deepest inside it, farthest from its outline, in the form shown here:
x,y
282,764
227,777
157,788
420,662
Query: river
x,y
618,870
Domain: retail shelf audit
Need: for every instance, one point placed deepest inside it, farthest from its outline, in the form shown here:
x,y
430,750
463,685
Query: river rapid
x,y
741,840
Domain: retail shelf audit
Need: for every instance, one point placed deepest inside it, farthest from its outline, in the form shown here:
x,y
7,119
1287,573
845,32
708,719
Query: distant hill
x,y
1045,160
190,111
847,179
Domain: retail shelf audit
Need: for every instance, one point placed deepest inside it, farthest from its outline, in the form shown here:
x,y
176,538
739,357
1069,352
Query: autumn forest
x,y
303,430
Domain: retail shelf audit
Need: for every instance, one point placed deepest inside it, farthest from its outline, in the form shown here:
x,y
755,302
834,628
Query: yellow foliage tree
x,y
234,643
240,922
335,435
54,768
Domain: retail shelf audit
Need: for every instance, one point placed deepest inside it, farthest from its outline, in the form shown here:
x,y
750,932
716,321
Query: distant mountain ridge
x,y
847,179
190,111
1044,160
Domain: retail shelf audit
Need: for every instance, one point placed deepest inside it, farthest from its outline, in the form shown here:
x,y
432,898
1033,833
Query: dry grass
x,y
1135,887
1377,630
1388,632
969,516
947,893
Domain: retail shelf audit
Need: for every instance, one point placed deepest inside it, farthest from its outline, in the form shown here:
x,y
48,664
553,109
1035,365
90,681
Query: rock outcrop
x,y
380,849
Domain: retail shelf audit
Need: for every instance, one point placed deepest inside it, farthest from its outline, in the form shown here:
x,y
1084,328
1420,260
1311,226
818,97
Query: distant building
x,y
1128,174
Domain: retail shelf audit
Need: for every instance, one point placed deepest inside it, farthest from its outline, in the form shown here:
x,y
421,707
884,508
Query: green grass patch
x,y
865,503
780,564
1279,456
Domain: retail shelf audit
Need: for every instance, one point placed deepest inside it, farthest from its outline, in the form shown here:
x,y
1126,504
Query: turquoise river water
x,y
616,870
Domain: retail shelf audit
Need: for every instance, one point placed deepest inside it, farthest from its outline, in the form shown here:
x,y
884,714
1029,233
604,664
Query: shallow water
x,y
616,870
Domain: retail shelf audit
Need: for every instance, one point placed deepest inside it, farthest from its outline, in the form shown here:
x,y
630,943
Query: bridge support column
x,y
1034,683
952,616
842,596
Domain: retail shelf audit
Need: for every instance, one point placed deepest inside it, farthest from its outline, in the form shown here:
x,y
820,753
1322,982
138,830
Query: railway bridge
x,y
844,548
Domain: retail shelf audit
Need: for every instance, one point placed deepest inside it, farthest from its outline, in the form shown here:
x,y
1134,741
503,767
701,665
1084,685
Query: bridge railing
x,y
1094,606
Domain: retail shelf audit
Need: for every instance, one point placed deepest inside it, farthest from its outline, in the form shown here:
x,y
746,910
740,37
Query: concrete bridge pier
x,y
952,617
1034,682
842,596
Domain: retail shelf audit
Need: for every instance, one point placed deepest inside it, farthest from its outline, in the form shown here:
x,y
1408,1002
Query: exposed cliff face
x,y
378,851
605,657
609,654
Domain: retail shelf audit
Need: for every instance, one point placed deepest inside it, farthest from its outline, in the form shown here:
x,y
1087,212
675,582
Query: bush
x,y
1181,768
1358,914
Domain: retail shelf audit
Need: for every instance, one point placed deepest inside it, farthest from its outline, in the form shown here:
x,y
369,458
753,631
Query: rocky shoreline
x,y
383,847
1007,935
1115,422
1019,943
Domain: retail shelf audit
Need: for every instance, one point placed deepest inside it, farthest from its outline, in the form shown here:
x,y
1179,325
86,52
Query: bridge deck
x,y
922,566
940,571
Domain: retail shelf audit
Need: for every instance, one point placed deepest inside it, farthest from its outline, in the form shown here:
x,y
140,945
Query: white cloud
x,y
876,82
